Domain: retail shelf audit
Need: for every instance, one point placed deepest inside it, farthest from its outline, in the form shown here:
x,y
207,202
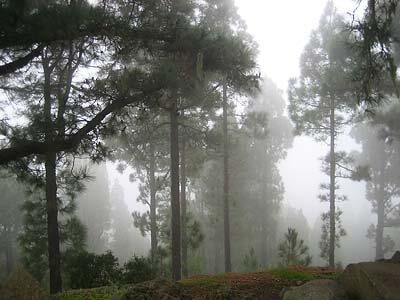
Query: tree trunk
x,y
227,239
263,246
183,208
332,188
175,206
153,208
9,253
51,191
52,224
379,232
381,215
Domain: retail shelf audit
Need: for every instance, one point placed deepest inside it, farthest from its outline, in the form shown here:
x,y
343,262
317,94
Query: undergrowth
x,y
103,293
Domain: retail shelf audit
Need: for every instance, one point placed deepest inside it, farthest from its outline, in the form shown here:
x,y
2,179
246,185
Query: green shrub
x,y
137,269
292,275
20,285
87,270
250,262
103,293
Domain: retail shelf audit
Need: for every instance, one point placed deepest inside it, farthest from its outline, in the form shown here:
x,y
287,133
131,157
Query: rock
x,y
372,281
396,257
323,289
159,289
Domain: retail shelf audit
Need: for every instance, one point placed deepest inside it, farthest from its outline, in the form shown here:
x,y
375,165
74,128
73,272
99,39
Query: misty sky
x,y
282,29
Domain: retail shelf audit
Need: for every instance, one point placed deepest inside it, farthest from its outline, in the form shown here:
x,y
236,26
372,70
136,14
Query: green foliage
x,y
388,244
125,239
339,233
250,262
205,280
88,270
293,251
103,293
324,83
292,275
33,239
376,44
11,219
20,285
97,221
137,269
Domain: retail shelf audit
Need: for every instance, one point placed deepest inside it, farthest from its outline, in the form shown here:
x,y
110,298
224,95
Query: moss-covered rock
x,y
372,280
321,289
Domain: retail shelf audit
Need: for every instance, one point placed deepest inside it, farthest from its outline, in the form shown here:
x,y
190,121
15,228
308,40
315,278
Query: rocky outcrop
x,y
373,281
159,289
323,289
364,281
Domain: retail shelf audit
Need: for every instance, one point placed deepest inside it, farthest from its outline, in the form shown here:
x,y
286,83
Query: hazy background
x,y
282,29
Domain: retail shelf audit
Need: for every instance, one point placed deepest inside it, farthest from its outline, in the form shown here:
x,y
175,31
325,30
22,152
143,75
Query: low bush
x,y
88,270
137,269
292,275
20,285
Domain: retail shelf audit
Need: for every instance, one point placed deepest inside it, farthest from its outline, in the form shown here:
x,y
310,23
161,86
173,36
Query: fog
x,y
281,30
195,137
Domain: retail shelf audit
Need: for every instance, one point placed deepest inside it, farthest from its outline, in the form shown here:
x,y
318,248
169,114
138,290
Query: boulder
x,y
159,289
322,289
396,257
372,281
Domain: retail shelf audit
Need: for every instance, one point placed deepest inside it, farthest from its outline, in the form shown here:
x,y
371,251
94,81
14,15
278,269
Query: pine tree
x,y
97,221
125,239
293,251
383,187
321,100
10,219
34,239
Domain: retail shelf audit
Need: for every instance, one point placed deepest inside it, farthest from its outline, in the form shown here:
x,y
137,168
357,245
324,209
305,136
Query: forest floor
x,y
266,285
256,285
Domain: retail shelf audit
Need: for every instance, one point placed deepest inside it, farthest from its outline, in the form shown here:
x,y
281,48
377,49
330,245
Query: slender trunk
x,y
51,193
9,253
216,255
263,246
153,208
52,223
227,239
183,208
379,232
175,207
332,190
381,214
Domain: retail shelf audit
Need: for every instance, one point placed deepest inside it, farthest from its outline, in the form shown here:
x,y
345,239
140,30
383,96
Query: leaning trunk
x,y
227,239
175,207
332,208
183,208
153,208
